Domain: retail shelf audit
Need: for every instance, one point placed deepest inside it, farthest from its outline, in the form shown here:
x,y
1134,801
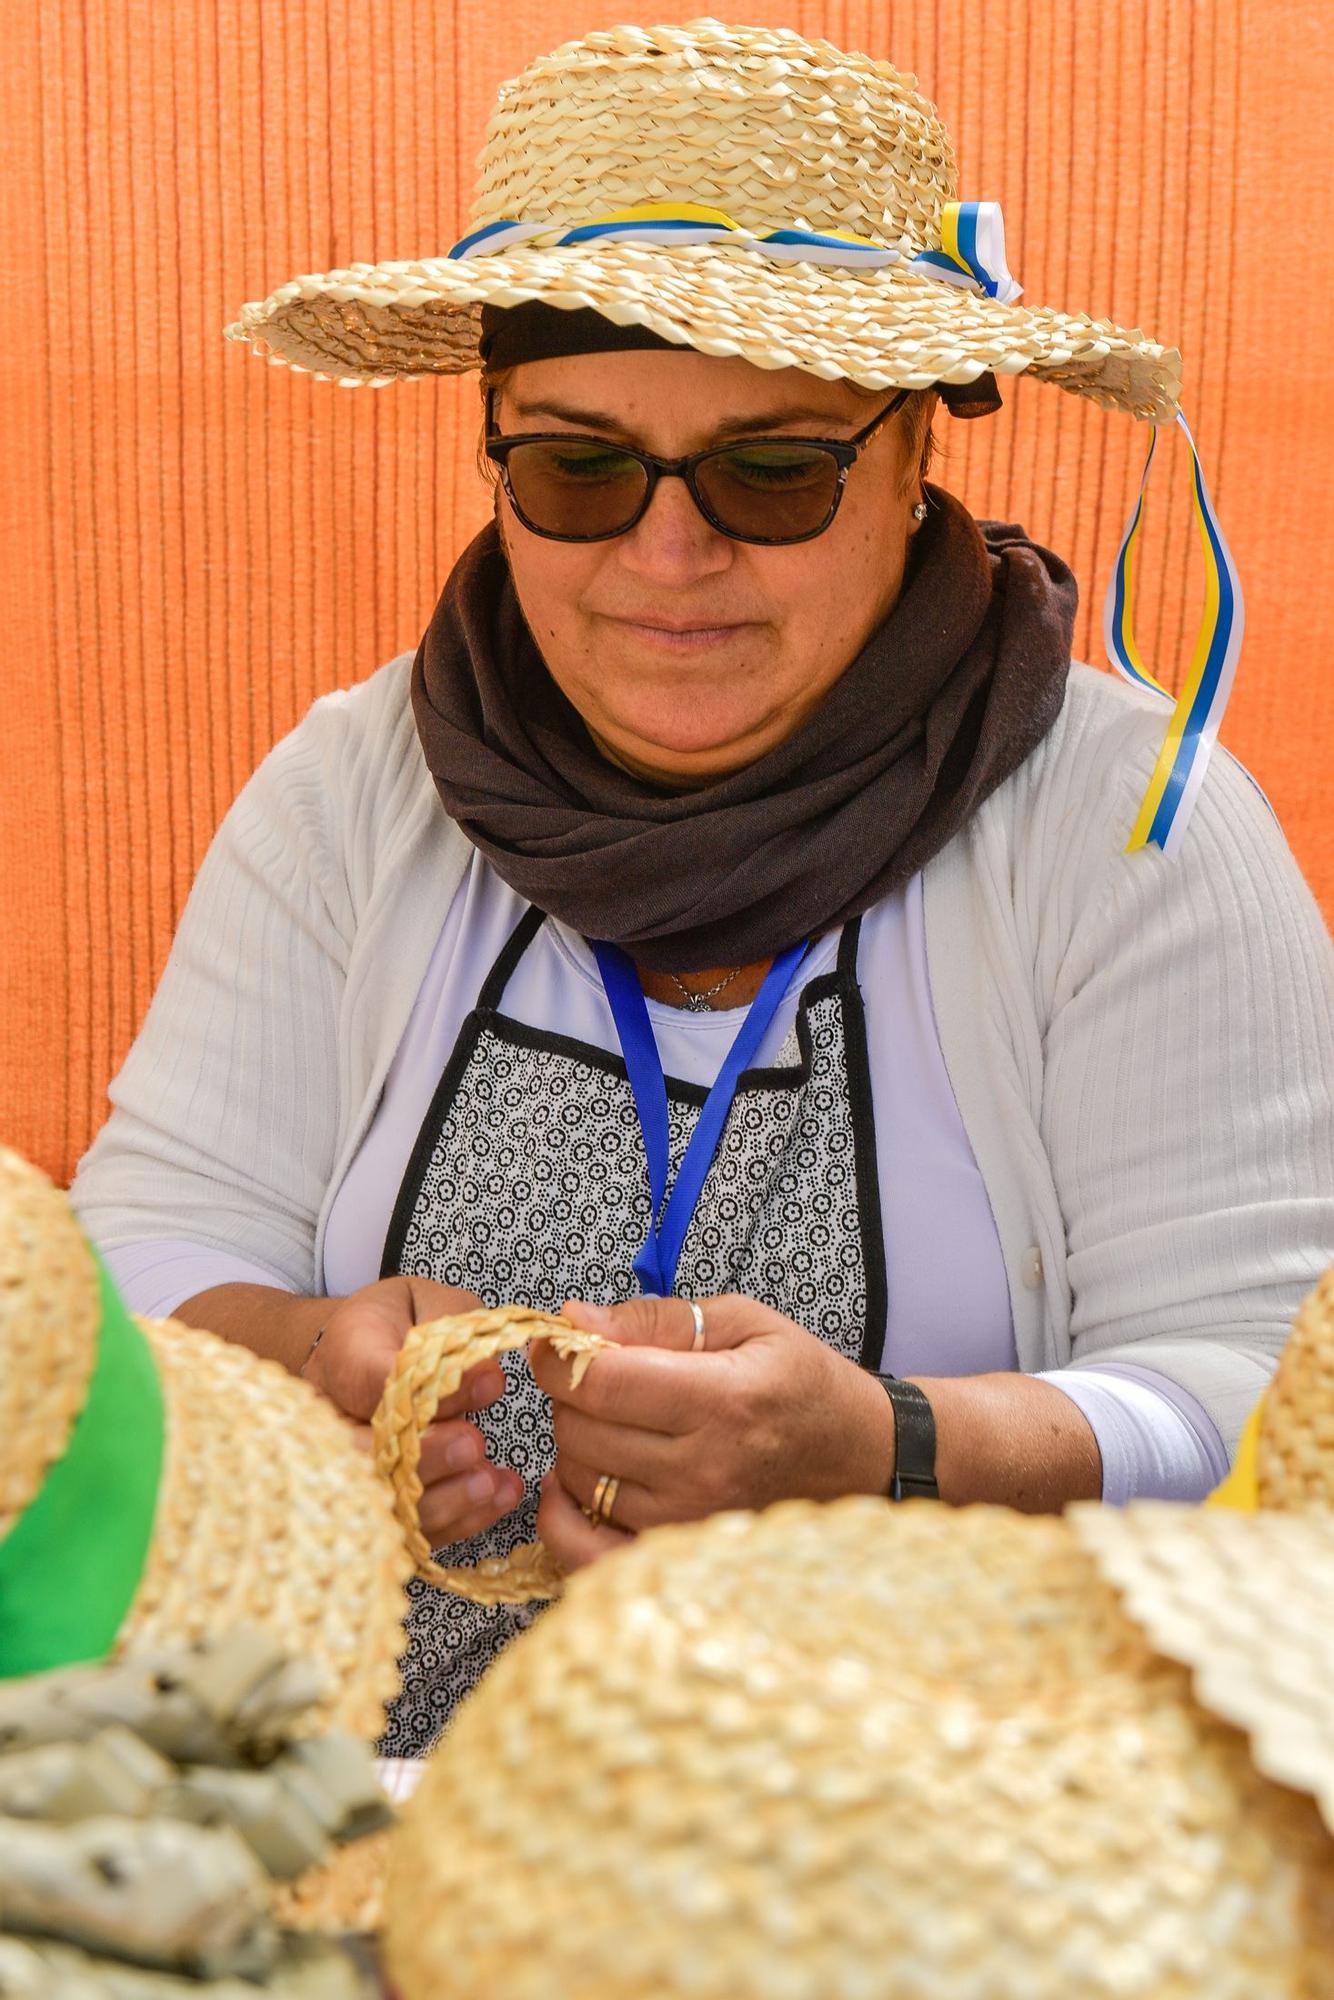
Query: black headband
x,y
536,331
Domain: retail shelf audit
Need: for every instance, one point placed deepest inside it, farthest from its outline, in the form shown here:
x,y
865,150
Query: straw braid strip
x,y
268,1517
51,1312
1296,1452
431,1364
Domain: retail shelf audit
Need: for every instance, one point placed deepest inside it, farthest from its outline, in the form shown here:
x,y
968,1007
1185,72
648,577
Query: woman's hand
x,y
462,1493
763,1412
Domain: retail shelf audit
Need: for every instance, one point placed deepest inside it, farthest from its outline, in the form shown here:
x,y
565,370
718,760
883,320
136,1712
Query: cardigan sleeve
x,y
224,1115
1186,1097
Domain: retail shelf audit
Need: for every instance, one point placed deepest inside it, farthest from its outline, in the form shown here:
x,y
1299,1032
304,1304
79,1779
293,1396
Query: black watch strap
x,y
914,1441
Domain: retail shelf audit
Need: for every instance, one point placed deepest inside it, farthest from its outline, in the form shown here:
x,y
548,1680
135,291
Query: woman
x,y
725,919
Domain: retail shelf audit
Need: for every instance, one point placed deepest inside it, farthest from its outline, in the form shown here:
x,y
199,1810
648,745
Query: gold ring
x,y
698,1318
604,1499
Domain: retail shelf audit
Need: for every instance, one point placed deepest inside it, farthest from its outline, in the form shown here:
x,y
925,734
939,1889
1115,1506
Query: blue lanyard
x,y
655,1266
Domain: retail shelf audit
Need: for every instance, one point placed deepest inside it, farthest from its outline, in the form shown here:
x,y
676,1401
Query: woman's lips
x,y
693,639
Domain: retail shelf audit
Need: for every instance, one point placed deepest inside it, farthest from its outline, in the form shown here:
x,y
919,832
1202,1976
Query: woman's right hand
x,y
463,1493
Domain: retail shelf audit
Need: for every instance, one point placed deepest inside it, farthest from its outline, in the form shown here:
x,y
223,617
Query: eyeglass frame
x,y
845,452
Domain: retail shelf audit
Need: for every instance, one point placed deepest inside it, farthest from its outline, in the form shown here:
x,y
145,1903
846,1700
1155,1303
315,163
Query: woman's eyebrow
x,y
598,420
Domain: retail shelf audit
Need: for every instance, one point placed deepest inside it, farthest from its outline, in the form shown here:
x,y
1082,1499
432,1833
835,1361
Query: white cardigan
x,y
1142,1050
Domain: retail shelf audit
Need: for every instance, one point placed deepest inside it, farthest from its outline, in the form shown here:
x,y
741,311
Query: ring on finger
x,y
604,1499
697,1316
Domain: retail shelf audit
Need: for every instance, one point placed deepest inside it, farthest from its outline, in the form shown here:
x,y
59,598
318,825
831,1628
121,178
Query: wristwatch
x,y
914,1441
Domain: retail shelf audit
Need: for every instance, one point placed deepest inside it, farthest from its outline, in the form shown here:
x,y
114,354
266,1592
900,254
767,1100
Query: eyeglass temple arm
x,y
863,437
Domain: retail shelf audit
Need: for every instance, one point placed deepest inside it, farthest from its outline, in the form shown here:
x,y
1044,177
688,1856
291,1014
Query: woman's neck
x,y
741,987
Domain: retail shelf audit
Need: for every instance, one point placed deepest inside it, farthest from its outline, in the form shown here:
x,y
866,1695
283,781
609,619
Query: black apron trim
x,y
498,978
862,1108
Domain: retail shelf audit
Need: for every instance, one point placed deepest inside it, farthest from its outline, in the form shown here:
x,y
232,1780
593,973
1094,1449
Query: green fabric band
x,y
71,1564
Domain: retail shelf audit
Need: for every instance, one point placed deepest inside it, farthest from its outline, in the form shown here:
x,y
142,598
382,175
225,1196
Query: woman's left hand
x,y
764,1411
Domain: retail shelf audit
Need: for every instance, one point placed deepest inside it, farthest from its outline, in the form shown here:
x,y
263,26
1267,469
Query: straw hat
x,y
255,1505
898,1753
774,134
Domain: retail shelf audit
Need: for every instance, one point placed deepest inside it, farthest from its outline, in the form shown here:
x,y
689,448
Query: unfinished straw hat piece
x,y
740,190
241,1497
430,1366
898,1753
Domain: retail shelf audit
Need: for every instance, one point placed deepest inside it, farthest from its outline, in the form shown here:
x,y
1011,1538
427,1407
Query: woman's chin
x,y
692,749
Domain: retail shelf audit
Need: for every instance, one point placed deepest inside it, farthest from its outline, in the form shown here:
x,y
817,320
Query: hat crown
x,y
776,130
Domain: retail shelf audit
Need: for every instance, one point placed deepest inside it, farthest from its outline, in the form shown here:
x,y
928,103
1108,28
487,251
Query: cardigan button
x,y
1030,1270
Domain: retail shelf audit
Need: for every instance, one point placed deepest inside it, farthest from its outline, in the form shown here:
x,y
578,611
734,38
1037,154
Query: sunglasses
x,y
572,488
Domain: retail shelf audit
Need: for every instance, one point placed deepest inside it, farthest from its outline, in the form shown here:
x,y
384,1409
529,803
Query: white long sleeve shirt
x,y
1140,1054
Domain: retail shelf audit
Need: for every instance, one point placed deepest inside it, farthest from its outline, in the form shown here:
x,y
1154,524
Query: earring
x,y
919,511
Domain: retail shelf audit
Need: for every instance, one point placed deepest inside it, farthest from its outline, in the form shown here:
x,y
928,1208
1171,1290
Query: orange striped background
x,y
195,545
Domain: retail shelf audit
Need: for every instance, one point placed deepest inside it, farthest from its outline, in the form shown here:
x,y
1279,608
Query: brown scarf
x,y
946,699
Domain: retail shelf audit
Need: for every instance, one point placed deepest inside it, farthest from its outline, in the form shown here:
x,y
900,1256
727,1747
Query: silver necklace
x,y
698,1002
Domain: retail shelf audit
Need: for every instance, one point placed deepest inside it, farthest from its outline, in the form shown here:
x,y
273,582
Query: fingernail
x,y
598,1314
481,1486
461,1453
484,1391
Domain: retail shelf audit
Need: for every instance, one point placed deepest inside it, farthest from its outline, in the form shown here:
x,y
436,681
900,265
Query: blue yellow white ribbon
x,y
678,223
972,252
1179,772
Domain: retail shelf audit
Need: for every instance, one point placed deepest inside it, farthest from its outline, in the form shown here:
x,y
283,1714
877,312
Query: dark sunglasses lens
x,y
773,492
577,489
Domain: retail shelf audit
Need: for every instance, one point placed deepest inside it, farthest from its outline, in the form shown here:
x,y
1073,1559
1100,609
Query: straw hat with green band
x,y
157,1483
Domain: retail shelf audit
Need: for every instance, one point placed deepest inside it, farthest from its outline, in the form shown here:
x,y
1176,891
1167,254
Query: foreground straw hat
x,y
773,133
158,1484
862,1753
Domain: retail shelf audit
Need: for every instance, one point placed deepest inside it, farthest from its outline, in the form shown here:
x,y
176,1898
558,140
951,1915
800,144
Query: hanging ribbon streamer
x,y
972,251
1179,772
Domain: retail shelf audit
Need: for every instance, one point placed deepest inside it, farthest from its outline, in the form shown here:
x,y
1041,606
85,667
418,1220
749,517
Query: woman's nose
x,y
673,542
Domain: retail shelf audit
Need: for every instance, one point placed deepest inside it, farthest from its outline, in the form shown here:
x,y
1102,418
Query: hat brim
x,y
883,329
1246,1602
269,1515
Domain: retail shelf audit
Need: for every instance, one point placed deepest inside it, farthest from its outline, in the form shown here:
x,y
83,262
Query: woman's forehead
x,y
718,391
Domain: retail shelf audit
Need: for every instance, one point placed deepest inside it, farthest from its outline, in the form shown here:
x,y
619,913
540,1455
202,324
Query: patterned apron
x,y
528,1185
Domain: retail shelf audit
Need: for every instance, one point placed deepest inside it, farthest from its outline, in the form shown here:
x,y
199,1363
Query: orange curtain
x,y
195,545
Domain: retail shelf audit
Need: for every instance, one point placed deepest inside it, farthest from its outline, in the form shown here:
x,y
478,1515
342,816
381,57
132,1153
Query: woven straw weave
x,y
49,1313
1296,1458
826,1753
1249,1607
267,1512
268,1515
776,131
864,1752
